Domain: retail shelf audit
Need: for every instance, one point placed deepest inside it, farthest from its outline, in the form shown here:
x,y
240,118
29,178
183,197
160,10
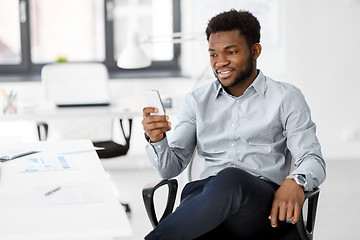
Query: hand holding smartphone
x,y
153,100
155,127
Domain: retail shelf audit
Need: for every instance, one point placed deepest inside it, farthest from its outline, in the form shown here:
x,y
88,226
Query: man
x,y
248,128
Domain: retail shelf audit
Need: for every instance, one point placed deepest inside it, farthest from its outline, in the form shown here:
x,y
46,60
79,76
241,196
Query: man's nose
x,y
222,61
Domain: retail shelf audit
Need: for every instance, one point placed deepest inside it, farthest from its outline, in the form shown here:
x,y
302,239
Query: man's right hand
x,y
155,125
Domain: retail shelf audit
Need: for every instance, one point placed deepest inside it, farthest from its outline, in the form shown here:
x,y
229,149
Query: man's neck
x,y
239,89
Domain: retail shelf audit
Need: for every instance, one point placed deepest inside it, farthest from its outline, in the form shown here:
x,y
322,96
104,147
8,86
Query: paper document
x,y
45,163
63,194
69,194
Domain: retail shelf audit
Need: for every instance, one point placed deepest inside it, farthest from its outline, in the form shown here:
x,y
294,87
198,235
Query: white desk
x,y
94,212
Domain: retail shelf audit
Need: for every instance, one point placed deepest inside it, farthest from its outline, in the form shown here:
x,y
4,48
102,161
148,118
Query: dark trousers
x,y
231,205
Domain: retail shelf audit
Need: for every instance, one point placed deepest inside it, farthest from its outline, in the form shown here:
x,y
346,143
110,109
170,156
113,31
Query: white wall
x,y
322,39
318,52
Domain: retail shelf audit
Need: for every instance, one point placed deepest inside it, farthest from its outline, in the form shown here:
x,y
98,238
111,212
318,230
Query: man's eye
x,y
212,55
233,52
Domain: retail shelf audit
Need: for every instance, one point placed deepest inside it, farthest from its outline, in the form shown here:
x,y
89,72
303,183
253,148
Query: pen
x,y
52,191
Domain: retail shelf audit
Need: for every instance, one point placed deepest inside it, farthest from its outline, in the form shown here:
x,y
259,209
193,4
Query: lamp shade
x,y
132,56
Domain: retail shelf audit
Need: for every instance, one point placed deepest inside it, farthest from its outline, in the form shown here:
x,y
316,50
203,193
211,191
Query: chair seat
x,y
111,149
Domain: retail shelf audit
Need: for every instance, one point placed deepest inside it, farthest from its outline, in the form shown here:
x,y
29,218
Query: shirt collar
x,y
258,84
219,89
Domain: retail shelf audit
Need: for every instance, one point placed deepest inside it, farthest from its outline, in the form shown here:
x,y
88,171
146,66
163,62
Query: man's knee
x,y
230,182
233,177
235,182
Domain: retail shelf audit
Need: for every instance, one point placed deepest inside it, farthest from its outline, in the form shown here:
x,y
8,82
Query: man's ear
x,y
256,50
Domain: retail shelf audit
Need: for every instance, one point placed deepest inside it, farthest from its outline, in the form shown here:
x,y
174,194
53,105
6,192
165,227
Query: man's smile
x,y
224,73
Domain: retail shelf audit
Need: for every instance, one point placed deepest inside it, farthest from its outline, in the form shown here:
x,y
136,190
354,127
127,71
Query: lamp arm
x,y
176,38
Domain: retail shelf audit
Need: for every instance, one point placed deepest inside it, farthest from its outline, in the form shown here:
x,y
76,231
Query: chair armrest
x,y
148,197
306,228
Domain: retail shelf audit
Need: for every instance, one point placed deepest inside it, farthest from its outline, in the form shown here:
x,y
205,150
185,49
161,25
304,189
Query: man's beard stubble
x,y
242,77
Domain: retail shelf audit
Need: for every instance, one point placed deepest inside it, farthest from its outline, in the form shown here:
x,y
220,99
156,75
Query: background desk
x,y
25,214
49,111
101,118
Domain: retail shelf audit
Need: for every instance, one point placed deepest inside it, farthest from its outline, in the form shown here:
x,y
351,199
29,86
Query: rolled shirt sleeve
x,y
302,142
170,158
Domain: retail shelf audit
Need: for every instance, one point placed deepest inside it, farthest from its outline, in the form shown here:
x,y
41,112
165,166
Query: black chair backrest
x,y
113,149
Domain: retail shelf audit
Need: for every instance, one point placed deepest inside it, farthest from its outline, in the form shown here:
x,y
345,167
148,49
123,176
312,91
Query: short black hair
x,y
244,21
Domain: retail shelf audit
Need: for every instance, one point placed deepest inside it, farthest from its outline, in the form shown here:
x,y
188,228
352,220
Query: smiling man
x,y
249,129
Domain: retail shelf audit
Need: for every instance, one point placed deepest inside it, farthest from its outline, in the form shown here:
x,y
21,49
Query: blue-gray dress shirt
x,y
263,132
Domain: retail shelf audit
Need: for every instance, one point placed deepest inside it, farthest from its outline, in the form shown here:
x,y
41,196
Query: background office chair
x,y
113,149
304,227
74,85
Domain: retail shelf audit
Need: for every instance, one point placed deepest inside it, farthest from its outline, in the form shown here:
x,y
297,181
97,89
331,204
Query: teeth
x,y
224,72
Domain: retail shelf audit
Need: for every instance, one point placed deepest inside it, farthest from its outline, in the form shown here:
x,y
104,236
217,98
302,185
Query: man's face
x,y
230,58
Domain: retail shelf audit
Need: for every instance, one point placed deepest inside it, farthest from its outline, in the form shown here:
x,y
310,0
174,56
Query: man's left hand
x,y
287,204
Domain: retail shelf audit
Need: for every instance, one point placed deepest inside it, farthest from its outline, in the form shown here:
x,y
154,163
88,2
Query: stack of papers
x,y
45,163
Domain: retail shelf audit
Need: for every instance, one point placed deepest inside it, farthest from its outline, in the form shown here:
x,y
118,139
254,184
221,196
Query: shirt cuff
x,y
155,151
309,182
160,145
148,138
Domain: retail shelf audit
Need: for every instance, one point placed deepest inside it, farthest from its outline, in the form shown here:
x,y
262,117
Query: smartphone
x,y
153,100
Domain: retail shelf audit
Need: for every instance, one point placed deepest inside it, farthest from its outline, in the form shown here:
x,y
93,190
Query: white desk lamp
x,y
133,57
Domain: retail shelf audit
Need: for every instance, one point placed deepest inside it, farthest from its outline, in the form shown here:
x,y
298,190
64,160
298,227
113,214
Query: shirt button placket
x,y
233,120
237,140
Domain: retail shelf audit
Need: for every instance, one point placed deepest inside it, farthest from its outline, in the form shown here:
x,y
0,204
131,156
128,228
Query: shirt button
x,y
233,144
233,125
237,101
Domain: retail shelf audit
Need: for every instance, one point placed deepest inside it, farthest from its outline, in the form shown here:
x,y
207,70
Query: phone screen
x,y
153,100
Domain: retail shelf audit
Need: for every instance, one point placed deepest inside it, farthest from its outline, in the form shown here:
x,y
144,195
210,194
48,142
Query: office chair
x,y
304,227
73,85
113,149
76,84
42,130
